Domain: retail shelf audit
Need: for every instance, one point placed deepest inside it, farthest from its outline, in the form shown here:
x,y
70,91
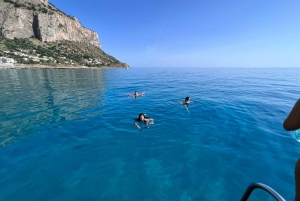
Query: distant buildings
x,y
5,60
29,56
93,61
24,56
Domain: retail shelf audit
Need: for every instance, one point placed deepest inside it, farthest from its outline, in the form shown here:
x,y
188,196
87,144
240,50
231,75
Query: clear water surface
x,y
69,134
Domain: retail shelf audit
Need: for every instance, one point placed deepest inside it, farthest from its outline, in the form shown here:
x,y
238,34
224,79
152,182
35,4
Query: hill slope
x,y
36,32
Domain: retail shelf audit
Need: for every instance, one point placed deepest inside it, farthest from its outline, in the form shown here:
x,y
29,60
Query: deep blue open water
x,y
69,134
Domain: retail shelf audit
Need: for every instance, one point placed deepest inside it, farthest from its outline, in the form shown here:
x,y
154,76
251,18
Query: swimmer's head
x,y
141,116
187,98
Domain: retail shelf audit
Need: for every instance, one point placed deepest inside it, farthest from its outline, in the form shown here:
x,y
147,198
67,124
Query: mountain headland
x,y
35,32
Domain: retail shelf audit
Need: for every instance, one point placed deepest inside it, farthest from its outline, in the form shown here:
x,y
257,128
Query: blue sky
x,y
194,33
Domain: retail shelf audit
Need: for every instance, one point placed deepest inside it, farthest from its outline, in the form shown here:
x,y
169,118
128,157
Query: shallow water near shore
x,y
68,134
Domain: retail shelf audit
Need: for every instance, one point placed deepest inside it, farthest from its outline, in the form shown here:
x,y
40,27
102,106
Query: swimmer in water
x,y
136,94
143,119
186,101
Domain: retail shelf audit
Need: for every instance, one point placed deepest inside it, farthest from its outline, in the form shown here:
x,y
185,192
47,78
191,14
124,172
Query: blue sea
x,y
68,134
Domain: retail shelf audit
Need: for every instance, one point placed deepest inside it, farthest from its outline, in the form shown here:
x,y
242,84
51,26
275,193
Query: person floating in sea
x,y
292,123
136,94
143,119
186,101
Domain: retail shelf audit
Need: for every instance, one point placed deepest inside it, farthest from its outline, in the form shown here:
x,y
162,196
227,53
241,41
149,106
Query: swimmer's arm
x,y
136,124
292,122
149,120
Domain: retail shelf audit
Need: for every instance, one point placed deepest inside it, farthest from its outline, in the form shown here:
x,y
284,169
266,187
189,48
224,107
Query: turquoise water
x,y
69,134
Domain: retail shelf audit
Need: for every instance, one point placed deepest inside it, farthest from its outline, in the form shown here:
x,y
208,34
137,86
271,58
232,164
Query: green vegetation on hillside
x,y
33,51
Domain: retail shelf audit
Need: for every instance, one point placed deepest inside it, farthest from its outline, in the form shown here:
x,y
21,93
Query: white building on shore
x,y
4,61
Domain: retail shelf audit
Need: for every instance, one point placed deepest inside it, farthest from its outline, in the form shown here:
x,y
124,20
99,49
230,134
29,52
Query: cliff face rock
x,y
17,23
57,27
31,1
40,19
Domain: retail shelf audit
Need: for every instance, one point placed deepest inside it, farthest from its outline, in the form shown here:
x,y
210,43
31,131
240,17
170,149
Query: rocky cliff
x,y
42,20
35,32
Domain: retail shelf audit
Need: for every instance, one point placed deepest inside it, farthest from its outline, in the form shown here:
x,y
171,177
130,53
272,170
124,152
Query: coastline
x,y
54,67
